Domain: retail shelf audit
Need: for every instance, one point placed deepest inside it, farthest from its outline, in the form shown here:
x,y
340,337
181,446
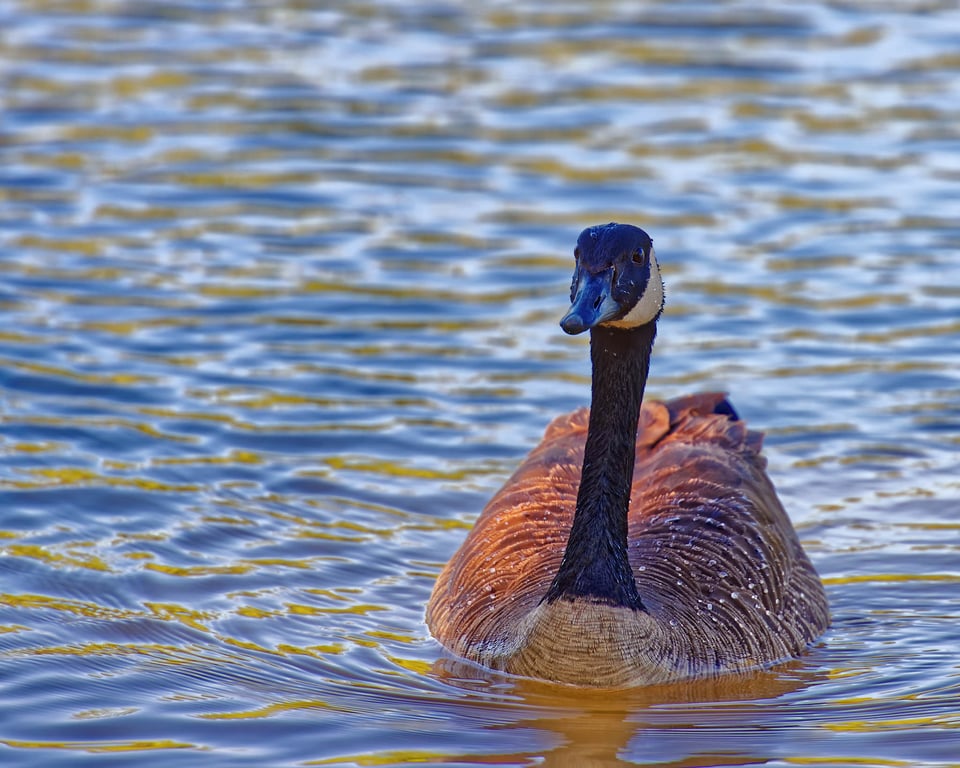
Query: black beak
x,y
592,303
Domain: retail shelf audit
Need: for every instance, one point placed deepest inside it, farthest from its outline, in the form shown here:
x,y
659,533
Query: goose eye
x,y
576,254
639,257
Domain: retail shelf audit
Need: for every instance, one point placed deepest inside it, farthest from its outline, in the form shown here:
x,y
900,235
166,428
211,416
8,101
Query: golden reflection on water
x,y
280,298
593,727
99,747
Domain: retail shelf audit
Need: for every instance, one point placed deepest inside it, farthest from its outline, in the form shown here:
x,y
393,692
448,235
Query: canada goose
x,y
637,544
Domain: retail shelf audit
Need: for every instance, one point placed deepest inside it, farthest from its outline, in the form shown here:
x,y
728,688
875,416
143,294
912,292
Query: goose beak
x,y
592,303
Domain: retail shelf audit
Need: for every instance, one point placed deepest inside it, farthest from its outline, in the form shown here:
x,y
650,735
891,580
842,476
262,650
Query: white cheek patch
x,y
650,303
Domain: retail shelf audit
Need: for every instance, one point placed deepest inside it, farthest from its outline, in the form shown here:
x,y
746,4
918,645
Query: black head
x,y
616,280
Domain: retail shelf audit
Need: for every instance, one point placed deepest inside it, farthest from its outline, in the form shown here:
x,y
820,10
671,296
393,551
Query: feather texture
x,y
724,583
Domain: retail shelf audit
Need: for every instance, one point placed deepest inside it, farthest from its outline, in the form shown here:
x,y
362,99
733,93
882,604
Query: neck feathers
x,y
595,564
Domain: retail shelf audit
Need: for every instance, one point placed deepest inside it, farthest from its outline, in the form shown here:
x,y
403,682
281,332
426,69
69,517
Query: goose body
x,y
639,542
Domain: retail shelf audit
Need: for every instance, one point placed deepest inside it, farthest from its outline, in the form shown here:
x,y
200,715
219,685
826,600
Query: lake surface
x,y
280,286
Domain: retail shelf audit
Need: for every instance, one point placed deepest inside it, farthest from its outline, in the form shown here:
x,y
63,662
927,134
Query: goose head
x,y
616,280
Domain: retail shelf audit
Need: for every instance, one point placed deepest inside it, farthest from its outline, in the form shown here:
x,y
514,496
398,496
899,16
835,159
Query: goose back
x,y
724,581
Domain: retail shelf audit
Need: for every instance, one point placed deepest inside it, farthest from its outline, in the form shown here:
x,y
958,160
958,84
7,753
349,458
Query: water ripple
x,y
281,287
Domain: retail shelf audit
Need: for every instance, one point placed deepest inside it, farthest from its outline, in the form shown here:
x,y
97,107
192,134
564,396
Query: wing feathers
x,y
713,552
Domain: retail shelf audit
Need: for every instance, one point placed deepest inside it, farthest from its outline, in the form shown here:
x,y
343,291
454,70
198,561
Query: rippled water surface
x,y
280,285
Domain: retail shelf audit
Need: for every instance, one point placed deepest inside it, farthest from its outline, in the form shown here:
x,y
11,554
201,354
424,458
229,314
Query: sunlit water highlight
x,y
280,290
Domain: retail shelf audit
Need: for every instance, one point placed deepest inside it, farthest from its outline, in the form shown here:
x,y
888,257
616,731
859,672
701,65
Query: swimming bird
x,y
639,542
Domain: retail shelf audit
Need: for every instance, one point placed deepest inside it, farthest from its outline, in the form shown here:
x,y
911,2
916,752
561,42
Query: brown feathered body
x,y
724,582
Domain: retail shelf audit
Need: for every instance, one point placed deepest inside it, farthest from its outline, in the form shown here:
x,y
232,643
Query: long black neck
x,y
595,564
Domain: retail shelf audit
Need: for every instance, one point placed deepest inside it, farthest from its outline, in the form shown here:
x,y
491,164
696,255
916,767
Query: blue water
x,y
280,287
